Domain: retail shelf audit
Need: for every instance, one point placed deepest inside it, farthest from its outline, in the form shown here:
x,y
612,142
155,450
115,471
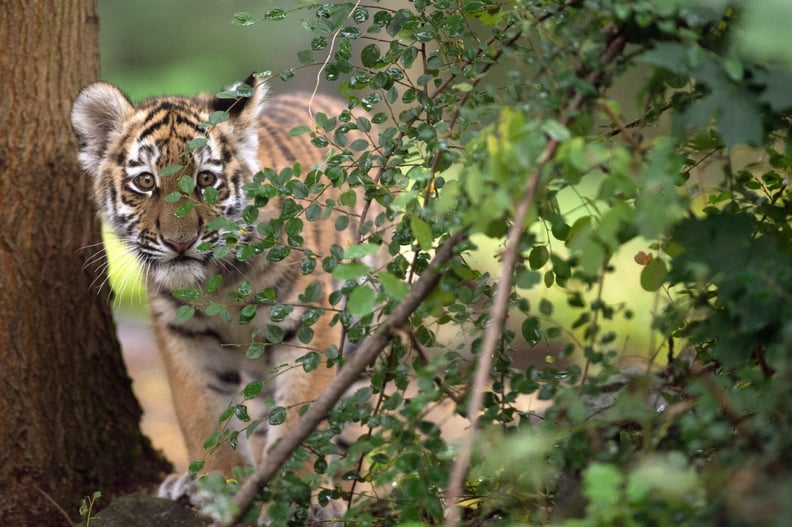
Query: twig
x,y
54,504
325,63
491,337
620,126
363,356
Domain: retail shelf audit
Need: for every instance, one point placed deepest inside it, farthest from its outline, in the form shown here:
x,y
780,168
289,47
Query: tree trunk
x,y
68,419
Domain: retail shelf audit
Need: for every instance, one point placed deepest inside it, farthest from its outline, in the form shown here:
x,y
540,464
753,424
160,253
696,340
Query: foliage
x,y
499,120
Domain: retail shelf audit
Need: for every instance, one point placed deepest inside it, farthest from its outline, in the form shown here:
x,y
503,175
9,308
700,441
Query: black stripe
x,y
290,333
180,118
220,389
277,143
286,282
260,431
228,377
154,125
193,333
237,176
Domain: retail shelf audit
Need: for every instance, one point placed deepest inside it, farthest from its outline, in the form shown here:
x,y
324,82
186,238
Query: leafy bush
x,y
498,124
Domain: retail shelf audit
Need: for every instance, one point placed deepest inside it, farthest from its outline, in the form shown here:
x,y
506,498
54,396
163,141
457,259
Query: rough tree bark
x,y
68,419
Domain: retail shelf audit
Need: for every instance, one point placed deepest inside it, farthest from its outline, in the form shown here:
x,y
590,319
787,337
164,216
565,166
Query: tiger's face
x,y
148,160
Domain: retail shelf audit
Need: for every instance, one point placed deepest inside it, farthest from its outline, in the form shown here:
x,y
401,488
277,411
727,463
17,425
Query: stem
x,y
494,330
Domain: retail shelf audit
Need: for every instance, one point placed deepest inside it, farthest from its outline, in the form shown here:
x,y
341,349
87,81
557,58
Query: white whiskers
x,y
117,268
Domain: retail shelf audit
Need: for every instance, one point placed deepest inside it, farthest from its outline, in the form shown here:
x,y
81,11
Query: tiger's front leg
x,y
204,379
294,389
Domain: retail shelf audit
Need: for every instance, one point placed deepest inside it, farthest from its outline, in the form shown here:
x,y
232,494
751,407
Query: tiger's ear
x,y
247,107
97,112
245,114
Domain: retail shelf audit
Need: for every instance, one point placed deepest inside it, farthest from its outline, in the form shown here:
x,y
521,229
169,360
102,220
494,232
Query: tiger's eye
x,y
206,179
145,181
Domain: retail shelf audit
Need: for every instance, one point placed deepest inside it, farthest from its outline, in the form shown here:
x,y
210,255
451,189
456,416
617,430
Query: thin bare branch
x,y
491,338
498,314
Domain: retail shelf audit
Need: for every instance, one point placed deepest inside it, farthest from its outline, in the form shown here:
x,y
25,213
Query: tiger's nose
x,y
179,246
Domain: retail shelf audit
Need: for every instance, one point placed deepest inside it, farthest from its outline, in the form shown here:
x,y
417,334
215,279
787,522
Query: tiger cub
x,y
125,148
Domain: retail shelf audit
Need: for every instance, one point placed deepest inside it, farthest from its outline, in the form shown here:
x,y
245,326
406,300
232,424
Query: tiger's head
x,y
138,156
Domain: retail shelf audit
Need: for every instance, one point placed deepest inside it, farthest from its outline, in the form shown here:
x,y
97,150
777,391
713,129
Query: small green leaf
x,y
341,223
197,143
241,413
538,257
196,467
556,130
305,56
250,214
362,300
350,271
273,334
305,334
293,227
255,350
278,253
243,19
265,297
184,209
217,118
220,252
393,286
602,485
247,313
173,197
360,250
275,14
422,232
653,275
221,223
310,361
277,416
349,198
213,309
358,145
370,55
192,293
210,195
251,428
312,293
184,313
313,212
186,184
527,279
307,265
279,312
734,69
170,170
531,331
326,123
299,130
252,389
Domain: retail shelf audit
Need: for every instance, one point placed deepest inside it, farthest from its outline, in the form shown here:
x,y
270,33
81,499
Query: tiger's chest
x,y
248,311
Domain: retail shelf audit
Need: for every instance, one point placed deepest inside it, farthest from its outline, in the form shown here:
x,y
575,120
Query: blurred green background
x,y
156,47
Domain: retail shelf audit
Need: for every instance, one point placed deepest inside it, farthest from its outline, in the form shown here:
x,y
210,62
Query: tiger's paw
x,y
330,514
183,489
